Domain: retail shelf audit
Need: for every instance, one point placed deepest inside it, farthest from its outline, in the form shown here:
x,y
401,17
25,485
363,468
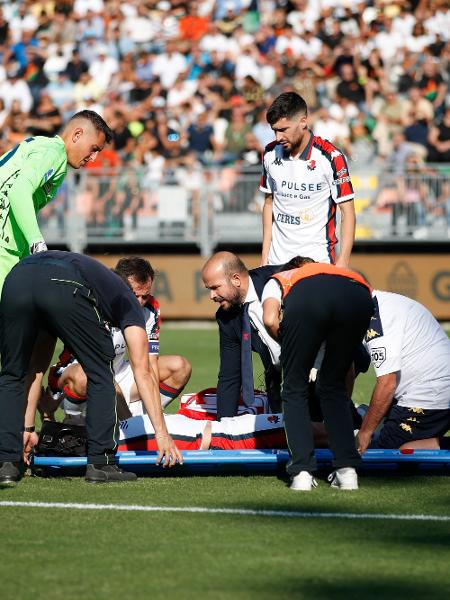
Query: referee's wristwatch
x,y
30,429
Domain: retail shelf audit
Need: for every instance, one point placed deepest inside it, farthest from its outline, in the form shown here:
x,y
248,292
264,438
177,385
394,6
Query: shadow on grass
x,y
398,588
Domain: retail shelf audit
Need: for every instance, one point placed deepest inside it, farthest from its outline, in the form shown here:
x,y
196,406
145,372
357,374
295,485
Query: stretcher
x,y
212,461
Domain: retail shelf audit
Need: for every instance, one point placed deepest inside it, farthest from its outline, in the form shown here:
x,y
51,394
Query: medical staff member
x,y
172,371
320,303
30,175
410,353
304,178
77,299
238,291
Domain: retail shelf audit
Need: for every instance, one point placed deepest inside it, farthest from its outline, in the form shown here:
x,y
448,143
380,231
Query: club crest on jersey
x,y
49,173
311,165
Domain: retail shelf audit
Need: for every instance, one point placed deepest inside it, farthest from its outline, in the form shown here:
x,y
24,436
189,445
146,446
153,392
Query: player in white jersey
x,y
173,371
245,432
410,353
304,178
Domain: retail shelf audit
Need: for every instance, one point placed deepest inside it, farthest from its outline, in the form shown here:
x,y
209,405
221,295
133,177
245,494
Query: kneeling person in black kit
x,y
77,299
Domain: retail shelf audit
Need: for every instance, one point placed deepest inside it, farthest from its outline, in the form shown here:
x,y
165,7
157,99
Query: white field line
x,y
227,511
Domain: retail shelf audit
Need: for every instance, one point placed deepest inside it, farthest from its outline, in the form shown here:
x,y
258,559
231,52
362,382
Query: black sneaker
x,y
105,473
9,473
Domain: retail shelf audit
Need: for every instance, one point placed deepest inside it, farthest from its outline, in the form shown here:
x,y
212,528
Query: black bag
x,y
59,439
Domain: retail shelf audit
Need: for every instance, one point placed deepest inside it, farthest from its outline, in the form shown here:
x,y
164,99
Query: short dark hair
x,y
97,122
135,266
234,265
296,263
286,105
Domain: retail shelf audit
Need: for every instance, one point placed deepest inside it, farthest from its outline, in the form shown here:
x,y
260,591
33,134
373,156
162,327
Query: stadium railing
x,y
207,207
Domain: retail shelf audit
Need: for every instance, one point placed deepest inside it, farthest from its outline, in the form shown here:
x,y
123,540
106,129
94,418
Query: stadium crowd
x,y
181,82
186,85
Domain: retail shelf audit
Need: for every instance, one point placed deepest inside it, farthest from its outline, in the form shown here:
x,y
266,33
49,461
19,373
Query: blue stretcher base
x,y
202,461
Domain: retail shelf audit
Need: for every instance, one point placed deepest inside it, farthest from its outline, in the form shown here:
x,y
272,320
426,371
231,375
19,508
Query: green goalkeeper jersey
x,y
30,175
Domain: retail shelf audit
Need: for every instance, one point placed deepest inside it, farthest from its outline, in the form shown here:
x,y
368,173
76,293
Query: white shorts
x,y
137,433
233,433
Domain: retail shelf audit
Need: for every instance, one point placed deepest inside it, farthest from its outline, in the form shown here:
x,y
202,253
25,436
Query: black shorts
x,y
404,424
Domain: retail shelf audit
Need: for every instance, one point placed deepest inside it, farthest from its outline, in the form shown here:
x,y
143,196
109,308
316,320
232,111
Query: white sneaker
x,y
303,482
344,479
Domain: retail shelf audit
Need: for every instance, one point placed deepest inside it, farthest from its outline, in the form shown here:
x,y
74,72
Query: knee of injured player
x,y
174,370
183,371
74,381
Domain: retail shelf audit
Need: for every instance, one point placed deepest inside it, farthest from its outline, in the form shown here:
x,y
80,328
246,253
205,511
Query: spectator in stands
x,y
3,114
86,89
21,22
15,124
169,65
76,67
439,140
416,102
262,131
193,26
4,32
349,86
20,49
103,68
61,93
389,120
55,63
45,118
123,140
169,52
330,125
201,137
432,84
236,133
401,150
417,131
15,88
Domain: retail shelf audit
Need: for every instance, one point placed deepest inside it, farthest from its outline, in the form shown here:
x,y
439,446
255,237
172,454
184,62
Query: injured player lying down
x,y
197,428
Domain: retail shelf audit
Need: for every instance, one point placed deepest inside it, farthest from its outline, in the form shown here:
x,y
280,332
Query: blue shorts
x,y
404,424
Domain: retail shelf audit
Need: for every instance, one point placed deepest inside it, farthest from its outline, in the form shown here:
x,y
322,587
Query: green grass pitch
x,y
72,554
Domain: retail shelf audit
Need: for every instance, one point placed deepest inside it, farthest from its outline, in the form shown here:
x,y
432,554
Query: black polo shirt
x,y
116,302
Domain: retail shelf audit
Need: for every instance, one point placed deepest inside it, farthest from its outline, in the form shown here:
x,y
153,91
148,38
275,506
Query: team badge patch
x,y
49,173
311,165
378,356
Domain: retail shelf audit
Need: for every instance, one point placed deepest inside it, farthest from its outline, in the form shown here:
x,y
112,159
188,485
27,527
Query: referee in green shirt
x,y
30,175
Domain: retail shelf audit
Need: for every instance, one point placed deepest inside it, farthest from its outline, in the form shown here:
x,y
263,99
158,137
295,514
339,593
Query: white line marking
x,y
228,511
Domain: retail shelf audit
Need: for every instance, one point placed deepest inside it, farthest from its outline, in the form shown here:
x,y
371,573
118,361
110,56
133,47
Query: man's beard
x,y
232,302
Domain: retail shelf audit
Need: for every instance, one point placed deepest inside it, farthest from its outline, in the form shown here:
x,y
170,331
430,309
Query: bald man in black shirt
x,y
77,299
